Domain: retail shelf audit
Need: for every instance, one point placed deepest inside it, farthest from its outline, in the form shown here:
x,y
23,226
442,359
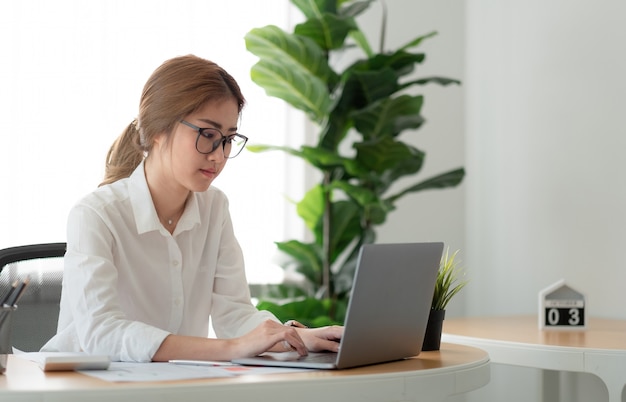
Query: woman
x,y
151,254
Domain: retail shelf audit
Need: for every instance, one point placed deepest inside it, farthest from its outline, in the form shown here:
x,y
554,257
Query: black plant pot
x,y
432,337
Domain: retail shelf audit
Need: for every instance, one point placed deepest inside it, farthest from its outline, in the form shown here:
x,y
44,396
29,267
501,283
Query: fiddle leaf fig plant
x,y
360,113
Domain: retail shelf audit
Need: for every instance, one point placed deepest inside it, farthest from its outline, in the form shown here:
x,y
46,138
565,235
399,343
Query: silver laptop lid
x,y
390,302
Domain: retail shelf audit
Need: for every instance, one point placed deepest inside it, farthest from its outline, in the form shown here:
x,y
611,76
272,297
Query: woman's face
x,y
188,167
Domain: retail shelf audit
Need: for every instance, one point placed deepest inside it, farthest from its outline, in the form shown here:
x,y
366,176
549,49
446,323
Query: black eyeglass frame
x,y
216,144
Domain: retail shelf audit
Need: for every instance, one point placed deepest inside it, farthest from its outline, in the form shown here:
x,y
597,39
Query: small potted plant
x,y
450,281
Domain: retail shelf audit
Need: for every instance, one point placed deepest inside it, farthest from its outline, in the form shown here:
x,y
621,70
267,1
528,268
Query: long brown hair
x,y
177,88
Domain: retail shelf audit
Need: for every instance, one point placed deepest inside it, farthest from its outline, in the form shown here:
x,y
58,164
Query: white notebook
x,y
67,361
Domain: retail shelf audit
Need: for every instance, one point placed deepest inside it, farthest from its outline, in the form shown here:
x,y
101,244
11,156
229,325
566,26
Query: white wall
x,y
545,135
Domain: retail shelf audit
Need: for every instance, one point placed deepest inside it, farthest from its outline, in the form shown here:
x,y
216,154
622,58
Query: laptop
x,y
387,313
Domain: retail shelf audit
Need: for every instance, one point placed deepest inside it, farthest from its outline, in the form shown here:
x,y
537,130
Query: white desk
x,y
517,340
432,376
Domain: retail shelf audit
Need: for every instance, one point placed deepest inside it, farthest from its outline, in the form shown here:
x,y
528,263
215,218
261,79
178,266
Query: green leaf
x,y
342,280
361,40
272,43
322,158
315,8
291,68
354,8
343,277
401,62
305,258
265,148
361,195
389,117
372,85
437,80
318,157
404,167
303,92
448,179
417,41
385,153
329,31
372,208
346,226
311,207
376,213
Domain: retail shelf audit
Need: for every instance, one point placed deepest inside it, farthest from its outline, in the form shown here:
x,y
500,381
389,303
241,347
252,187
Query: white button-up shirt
x,y
128,283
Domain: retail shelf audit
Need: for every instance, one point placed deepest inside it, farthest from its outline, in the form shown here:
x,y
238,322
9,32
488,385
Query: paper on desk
x,y
129,372
122,371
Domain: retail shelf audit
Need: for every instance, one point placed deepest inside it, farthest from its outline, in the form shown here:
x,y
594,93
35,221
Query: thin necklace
x,y
170,221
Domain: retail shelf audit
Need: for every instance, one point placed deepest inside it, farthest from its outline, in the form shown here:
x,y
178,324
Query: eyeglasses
x,y
209,139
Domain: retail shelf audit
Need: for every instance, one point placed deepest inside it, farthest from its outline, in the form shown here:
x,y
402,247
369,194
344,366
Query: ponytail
x,y
124,156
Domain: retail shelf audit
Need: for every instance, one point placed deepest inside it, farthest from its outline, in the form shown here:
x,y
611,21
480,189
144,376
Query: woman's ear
x,y
159,141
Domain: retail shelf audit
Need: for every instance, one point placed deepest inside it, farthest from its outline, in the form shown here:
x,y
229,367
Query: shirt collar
x,y
146,217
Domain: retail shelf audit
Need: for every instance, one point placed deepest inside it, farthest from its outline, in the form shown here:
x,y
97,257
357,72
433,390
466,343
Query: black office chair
x,y
35,320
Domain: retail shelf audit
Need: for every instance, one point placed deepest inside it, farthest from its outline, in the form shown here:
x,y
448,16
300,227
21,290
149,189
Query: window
x,y
70,81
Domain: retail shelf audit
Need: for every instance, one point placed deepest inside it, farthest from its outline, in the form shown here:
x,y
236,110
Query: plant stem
x,y
326,246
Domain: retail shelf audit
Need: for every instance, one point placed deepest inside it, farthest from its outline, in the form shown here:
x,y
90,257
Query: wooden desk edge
x,y
457,358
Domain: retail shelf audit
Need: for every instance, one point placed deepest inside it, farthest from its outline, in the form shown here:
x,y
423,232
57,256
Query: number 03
x,y
554,316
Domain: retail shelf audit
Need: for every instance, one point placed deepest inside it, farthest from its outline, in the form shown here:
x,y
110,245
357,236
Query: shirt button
x,y
175,264
177,301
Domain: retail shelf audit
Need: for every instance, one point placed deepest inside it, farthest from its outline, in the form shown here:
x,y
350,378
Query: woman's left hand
x,y
322,338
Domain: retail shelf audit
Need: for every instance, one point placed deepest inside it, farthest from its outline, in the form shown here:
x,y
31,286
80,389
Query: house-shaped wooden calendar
x,y
561,307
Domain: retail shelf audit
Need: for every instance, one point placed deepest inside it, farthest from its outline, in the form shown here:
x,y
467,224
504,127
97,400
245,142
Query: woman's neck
x,y
169,197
